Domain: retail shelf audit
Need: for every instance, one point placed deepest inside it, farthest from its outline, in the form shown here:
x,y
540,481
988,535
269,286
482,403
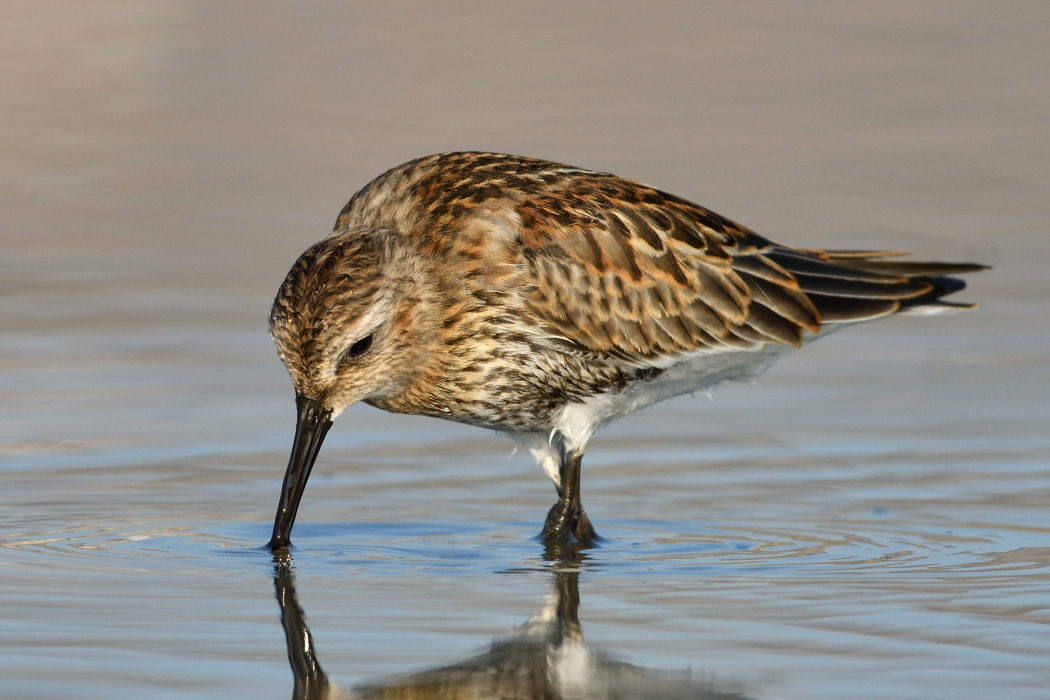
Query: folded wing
x,y
621,270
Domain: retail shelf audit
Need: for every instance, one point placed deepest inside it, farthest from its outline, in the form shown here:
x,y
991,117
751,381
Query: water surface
x,y
867,520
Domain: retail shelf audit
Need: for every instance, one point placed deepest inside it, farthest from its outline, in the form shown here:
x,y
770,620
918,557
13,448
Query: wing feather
x,y
618,269
789,304
854,288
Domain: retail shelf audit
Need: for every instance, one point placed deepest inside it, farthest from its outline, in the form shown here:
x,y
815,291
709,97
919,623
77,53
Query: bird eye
x,y
359,348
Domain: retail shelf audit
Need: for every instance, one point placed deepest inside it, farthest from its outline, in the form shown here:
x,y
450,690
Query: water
x,y
868,520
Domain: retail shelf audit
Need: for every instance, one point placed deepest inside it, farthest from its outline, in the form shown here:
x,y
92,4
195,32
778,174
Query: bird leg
x,y
567,517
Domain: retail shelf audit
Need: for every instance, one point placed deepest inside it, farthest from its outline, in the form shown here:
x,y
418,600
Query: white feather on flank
x,y
546,452
691,373
682,374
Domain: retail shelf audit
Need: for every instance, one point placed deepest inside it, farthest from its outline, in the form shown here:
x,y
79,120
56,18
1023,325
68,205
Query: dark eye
x,y
359,348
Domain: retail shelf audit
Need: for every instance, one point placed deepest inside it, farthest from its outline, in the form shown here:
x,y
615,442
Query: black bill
x,y
311,425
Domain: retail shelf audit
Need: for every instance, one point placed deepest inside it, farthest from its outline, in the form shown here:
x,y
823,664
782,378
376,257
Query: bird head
x,y
351,323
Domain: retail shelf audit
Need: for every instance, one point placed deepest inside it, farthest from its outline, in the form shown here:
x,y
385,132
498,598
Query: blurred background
x,y
869,519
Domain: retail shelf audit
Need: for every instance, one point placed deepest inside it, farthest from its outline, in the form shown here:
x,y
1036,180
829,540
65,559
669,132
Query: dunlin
x,y
544,301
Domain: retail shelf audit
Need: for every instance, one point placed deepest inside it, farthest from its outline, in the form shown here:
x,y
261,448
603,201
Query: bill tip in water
x,y
276,544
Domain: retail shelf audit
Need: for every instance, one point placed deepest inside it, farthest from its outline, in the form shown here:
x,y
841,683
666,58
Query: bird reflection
x,y
544,659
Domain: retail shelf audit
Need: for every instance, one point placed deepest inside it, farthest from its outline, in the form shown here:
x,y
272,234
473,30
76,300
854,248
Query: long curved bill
x,y
311,425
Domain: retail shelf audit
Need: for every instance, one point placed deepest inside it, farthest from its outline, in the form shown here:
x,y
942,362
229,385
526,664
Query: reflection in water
x,y
544,659
310,680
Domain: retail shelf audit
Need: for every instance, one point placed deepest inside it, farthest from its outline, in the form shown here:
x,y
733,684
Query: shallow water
x,y
867,520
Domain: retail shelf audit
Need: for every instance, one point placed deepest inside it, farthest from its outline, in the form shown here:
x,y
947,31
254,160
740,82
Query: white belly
x,y
577,422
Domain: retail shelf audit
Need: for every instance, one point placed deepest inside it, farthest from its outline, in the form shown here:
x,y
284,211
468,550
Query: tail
x,y
852,286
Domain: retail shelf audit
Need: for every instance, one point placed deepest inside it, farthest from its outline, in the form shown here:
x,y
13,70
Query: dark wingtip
x,y
943,286
912,268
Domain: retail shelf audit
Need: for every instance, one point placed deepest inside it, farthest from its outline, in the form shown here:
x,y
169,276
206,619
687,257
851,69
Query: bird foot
x,y
565,519
583,531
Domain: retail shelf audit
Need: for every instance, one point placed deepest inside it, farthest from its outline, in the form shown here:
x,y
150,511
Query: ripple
x,y
71,548
627,546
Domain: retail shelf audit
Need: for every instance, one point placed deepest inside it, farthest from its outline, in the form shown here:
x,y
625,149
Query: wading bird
x,y
543,301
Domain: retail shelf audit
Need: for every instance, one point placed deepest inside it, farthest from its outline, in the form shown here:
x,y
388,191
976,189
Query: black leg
x,y
584,531
566,517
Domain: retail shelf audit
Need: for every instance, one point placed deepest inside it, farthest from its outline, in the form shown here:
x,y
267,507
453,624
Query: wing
x,y
621,270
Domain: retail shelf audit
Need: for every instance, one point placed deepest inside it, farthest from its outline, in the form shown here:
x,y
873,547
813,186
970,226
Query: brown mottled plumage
x,y
544,300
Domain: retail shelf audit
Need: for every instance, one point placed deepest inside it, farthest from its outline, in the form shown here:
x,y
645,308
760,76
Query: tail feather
x,y
852,286
908,268
901,288
804,264
846,310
